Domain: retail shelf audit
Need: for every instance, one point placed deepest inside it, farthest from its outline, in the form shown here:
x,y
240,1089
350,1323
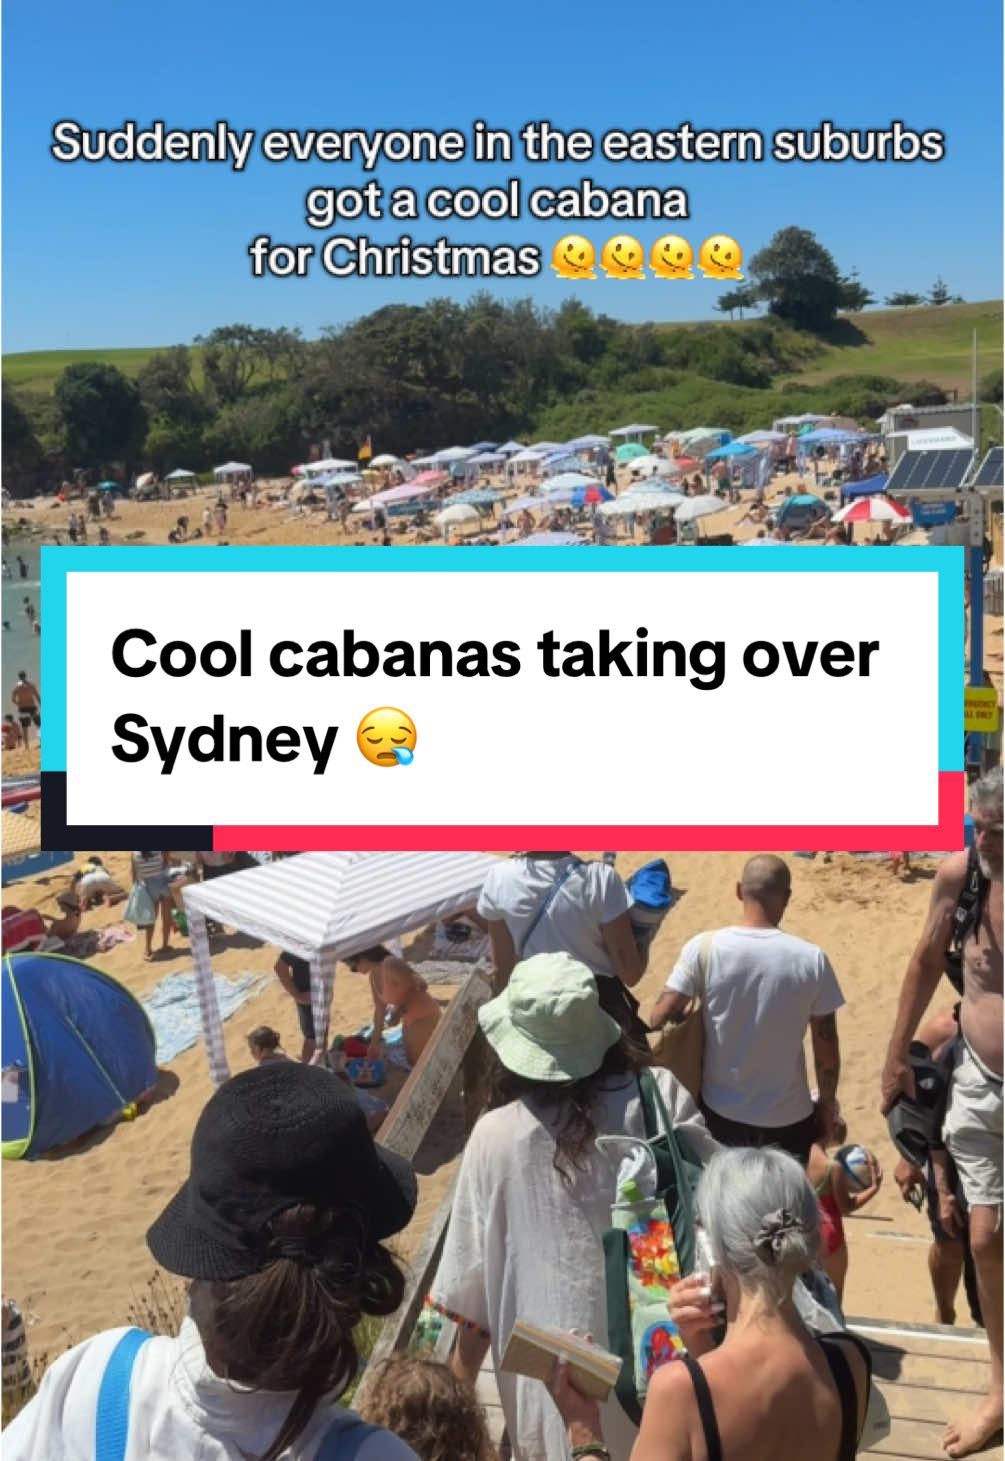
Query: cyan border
x,y
947,563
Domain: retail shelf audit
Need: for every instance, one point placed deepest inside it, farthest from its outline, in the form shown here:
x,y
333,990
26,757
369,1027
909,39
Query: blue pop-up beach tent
x,y
77,1050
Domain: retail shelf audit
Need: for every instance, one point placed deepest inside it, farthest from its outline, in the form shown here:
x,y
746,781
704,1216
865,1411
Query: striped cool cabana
x,y
325,906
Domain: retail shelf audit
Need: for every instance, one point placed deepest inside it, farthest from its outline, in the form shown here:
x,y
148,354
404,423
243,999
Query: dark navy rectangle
x,y
56,832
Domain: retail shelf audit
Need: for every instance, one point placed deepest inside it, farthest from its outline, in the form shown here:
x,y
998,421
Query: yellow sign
x,y
980,710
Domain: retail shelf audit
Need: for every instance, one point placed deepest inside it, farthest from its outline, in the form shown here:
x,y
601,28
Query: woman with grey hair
x,y
771,1389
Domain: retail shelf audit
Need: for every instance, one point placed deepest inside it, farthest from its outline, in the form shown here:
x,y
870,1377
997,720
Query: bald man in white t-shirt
x,y
762,989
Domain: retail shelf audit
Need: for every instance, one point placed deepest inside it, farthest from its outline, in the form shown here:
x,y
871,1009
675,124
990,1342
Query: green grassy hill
x,y
908,344
38,370
918,344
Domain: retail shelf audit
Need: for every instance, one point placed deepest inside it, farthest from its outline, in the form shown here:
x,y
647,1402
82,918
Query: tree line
x,y
421,376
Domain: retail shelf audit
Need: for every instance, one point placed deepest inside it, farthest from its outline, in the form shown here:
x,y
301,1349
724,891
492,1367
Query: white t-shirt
x,y
177,1407
592,895
533,1249
762,988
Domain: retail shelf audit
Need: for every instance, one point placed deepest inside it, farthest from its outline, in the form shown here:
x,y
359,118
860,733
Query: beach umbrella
x,y
687,464
872,510
547,446
650,485
484,446
110,487
650,464
477,497
596,492
458,512
566,482
700,433
385,460
629,451
587,443
509,447
526,504
630,503
636,428
326,464
453,454
694,507
549,540
179,474
765,437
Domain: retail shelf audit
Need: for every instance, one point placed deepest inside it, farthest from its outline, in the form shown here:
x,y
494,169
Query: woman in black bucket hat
x,y
280,1227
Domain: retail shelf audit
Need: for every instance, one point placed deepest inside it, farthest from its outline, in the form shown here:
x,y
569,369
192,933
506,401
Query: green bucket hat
x,y
547,1024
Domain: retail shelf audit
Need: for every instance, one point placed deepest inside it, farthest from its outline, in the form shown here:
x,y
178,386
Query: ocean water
x,y
21,646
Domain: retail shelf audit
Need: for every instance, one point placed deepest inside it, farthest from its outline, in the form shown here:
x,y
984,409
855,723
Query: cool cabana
x,y
325,906
635,431
230,470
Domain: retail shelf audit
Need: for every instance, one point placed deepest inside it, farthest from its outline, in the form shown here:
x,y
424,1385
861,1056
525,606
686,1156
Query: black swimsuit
x,y
840,1373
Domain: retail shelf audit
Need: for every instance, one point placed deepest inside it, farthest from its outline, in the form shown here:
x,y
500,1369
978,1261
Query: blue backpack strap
x,y
111,1428
547,901
342,1442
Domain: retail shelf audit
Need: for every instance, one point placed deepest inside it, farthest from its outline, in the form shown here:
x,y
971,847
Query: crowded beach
x,y
804,479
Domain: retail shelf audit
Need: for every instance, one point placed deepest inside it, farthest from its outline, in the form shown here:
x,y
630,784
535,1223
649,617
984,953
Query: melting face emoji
x,y
622,257
671,257
386,737
573,257
720,257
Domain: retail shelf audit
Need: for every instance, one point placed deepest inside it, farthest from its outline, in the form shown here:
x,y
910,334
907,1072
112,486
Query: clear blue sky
x,y
105,255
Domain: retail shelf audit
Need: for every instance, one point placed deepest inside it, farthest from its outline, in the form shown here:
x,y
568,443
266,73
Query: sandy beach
x,y
73,1248
273,524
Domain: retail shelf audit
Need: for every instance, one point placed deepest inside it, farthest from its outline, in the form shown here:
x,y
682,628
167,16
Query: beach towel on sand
x,y
173,1008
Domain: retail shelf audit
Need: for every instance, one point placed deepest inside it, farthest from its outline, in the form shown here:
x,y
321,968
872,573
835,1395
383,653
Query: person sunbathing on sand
x,y
396,985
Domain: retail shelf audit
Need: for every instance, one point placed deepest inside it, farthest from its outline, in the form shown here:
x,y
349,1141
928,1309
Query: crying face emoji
x,y
573,257
622,257
671,257
720,257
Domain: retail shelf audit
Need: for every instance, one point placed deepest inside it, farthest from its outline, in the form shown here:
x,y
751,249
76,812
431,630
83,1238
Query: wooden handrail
x,y
421,1097
457,1044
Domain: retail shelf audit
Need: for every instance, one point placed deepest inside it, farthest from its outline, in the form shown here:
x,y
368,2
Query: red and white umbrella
x,y
872,510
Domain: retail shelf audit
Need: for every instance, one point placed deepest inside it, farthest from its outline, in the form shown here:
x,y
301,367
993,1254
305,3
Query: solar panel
x,y
931,471
990,471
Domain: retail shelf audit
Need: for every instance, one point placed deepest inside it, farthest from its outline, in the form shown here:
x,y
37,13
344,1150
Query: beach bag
x,y
680,1048
652,895
140,908
648,1247
111,1428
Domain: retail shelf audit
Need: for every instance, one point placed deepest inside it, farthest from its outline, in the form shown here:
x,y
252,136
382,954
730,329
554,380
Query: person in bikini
x,y
973,1123
397,987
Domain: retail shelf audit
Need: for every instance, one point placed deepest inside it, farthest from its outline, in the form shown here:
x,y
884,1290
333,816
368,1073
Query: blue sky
x,y
101,255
